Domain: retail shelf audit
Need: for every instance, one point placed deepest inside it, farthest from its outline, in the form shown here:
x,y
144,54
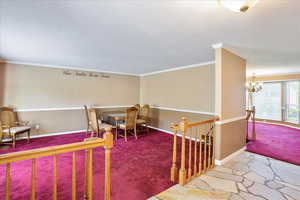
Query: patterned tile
x,y
246,177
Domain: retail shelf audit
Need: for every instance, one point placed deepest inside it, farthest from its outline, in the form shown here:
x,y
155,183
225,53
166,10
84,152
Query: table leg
x,y
14,141
28,136
116,134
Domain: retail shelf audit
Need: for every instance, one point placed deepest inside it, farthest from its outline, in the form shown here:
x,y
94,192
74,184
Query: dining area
x,y
129,122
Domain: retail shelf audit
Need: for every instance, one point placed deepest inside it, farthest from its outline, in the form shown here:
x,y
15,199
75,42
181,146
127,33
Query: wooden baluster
x,y
190,155
54,194
85,174
182,171
205,147
209,146
89,175
7,182
74,175
108,136
195,152
213,145
174,165
200,150
33,178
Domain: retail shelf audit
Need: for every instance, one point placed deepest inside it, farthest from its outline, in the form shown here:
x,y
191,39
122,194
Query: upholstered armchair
x,y
11,126
130,122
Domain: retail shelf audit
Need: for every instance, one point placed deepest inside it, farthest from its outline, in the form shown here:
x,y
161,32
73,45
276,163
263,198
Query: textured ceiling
x,y
141,36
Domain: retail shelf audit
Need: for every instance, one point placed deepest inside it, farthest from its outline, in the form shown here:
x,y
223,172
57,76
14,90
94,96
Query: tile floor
x,y
246,177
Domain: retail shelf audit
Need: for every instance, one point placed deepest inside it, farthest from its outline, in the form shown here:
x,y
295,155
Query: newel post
x,y
174,169
108,137
253,125
182,171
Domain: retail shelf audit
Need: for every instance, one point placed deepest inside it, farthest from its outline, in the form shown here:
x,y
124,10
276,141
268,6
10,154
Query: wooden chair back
x,y
144,113
131,116
94,120
87,118
8,116
138,106
1,132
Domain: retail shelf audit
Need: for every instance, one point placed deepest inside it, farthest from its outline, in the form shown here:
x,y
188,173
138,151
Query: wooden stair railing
x,y
200,144
88,145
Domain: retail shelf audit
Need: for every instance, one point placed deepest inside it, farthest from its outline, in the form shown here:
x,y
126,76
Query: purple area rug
x,y
276,141
139,168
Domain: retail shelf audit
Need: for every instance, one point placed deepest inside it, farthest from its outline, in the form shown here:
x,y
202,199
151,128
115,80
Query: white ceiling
x,y
142,36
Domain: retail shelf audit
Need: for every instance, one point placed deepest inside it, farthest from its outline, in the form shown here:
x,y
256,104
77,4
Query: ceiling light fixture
x,y
238,5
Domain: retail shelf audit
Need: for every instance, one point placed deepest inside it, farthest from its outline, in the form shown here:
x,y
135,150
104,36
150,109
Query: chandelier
x,y
238,5
253,86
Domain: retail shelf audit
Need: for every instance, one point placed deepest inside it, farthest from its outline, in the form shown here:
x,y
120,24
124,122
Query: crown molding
x,y
179,68
274,74
218,45
66,67
109,72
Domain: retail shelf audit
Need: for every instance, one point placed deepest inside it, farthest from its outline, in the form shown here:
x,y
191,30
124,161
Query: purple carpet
x,y
139,168
276,141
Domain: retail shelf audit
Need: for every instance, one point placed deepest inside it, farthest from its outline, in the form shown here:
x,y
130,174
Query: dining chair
x,y
11,126
144,117
1,133
88,121
138,106
96,125
129,123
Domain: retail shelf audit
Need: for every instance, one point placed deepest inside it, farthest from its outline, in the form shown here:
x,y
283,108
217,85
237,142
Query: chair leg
x,y
125,131
14,141
116,133
135,133
28,136
148,130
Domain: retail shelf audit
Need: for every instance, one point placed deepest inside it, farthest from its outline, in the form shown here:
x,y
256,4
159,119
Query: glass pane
x,y
268,101
292,101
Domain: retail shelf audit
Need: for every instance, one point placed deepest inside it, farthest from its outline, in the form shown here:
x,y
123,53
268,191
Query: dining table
x,y
116,116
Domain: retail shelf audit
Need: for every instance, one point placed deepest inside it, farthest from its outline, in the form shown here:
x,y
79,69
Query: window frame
x,y
283,101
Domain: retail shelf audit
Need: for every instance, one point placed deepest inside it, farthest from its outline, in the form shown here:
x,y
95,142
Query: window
x,y
292,101
278,101
268,101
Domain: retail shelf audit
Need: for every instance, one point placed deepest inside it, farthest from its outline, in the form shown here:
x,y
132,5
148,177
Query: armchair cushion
x,y
141,121
103,126
122,125
17,129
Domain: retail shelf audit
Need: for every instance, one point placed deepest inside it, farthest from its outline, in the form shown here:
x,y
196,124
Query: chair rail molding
x,y
183,110
231,120
68,108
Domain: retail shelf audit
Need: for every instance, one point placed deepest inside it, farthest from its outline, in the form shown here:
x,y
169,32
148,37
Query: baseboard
x,y
162,130
231,156
278,124
45,135
170,132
